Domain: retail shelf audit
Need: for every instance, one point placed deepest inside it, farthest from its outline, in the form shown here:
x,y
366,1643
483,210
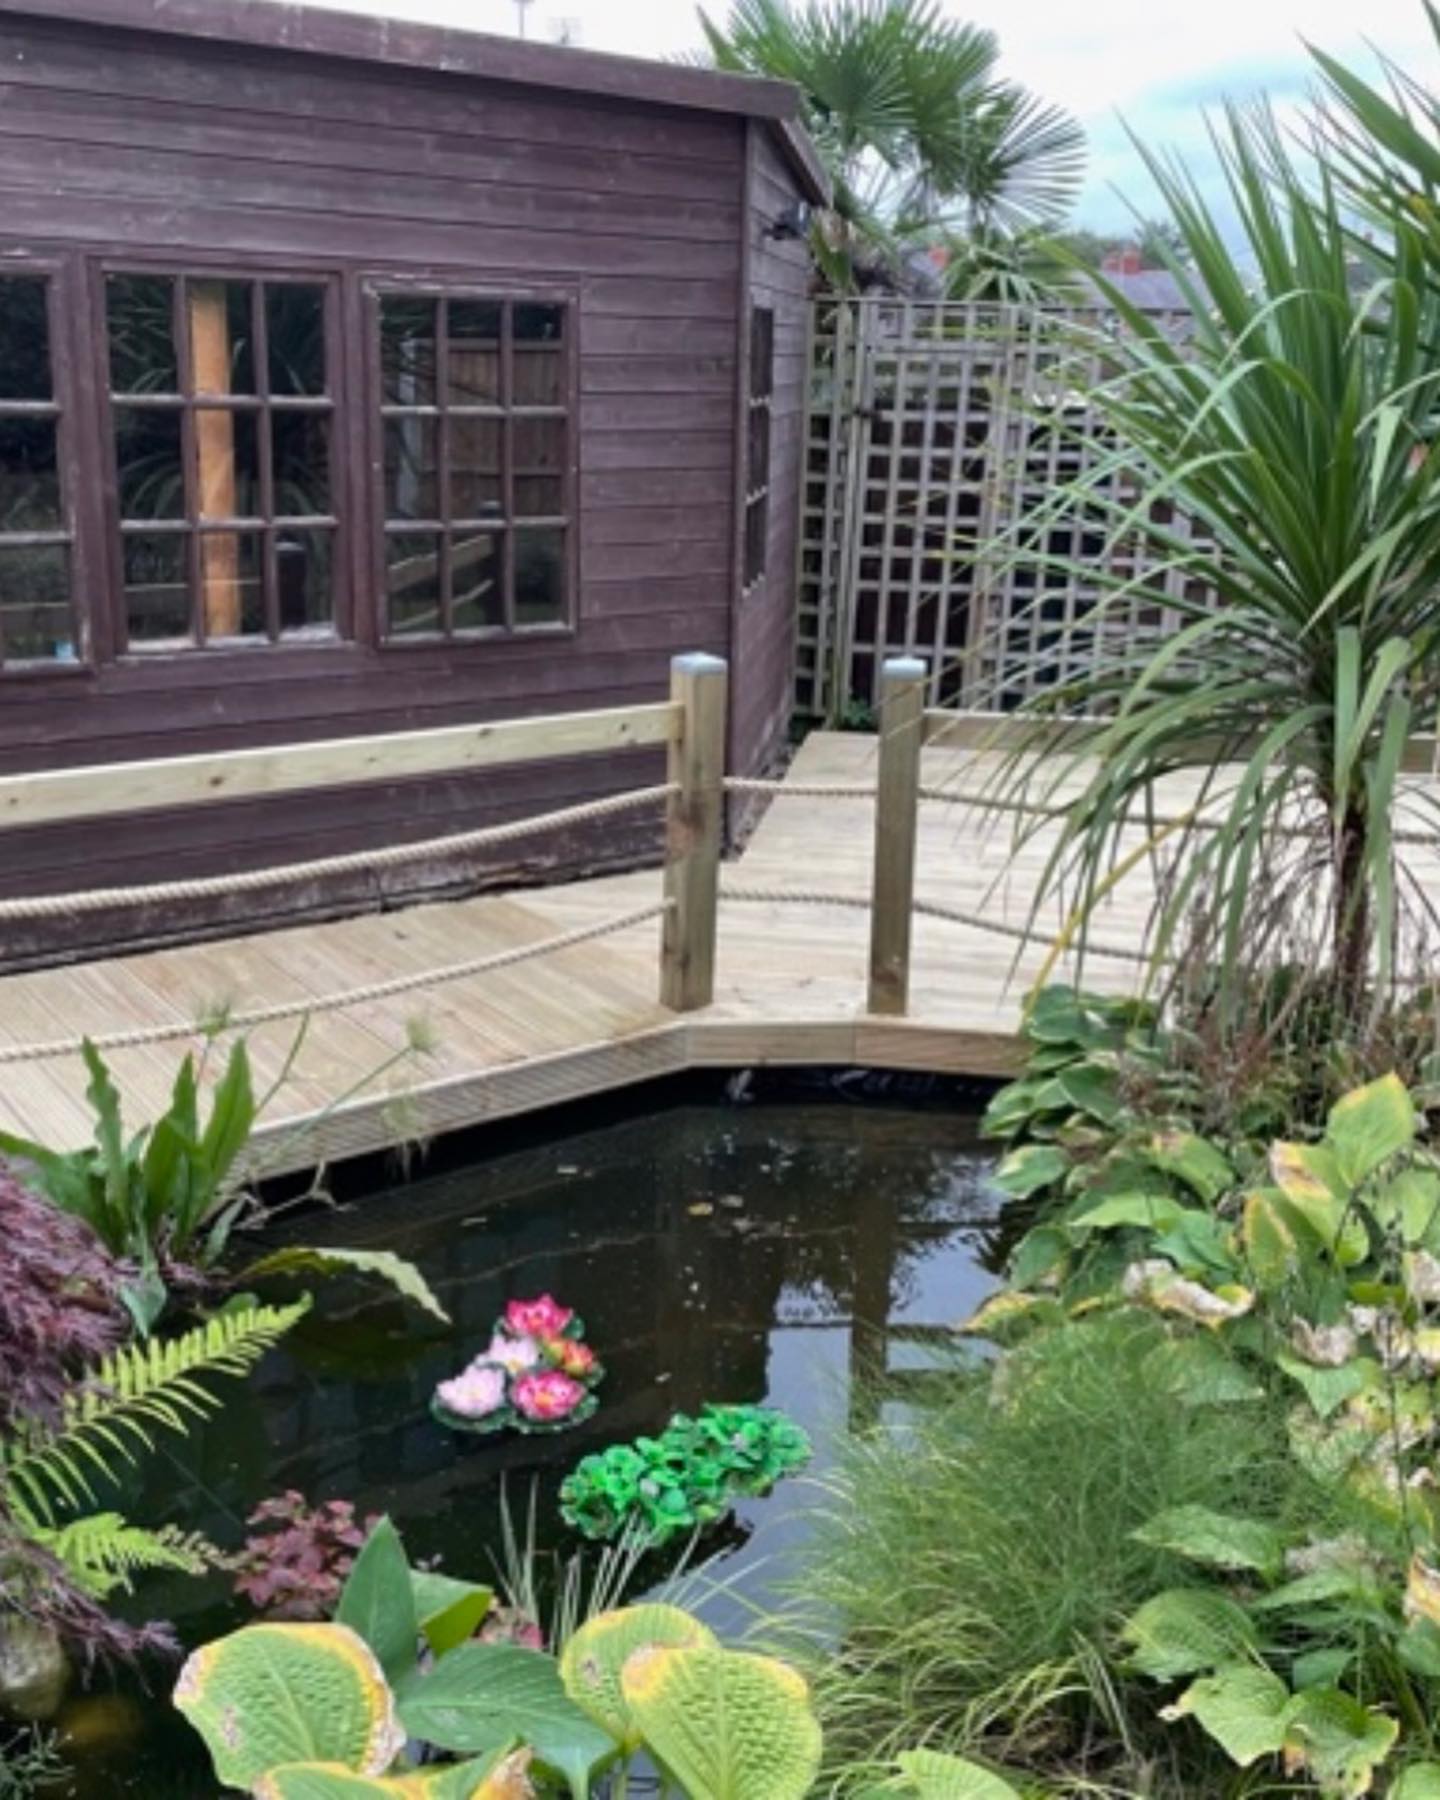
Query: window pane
x,y
758,451
35,618
300,465
222,350
411,468
762,352
140,318
539,468
295,337
29,475
475,489
412,581
477,580
157,592
303,563
147,456
539,577
407,350
231,598
537,323
24,339
474,352
227,459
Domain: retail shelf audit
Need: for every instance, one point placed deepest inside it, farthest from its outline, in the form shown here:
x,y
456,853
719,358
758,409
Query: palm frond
x,y
156,1385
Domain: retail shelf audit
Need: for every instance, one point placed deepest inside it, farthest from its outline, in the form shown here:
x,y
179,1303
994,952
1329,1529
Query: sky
x,y
1156,64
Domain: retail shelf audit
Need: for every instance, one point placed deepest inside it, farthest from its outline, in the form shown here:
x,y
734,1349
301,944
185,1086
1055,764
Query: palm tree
x,y
916,130
1295,434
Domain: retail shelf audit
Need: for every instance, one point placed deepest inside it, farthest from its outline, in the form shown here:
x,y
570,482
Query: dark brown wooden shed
x,y
359,376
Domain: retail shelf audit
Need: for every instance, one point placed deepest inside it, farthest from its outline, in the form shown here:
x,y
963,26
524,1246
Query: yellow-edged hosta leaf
x,y
491,1778
1366,1128
1307,1171
274,1694
1205,1306
1422,1591
1269,1243
935,1776
1338,1742
1318,1197
1009,1316
725,1724
594,1660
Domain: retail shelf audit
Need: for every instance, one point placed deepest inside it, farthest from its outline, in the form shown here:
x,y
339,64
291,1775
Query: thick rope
x,y
389,856
375,990
932,909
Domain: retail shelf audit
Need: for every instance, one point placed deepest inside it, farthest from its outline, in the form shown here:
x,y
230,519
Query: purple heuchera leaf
x,y
295,1564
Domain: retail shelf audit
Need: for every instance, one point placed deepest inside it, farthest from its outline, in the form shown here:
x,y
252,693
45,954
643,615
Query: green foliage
x,y
687,1478
306,1712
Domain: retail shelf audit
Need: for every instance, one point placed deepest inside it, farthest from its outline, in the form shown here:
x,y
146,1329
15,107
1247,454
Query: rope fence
x,y
388,856
358,996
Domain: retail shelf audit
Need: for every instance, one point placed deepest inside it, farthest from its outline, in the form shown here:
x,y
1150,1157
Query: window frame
x,y
379,283
341,522
759,412
66,407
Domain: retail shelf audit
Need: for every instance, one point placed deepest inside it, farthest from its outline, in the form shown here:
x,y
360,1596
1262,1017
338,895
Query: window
x,y
222,413
757,443
475,407
37,621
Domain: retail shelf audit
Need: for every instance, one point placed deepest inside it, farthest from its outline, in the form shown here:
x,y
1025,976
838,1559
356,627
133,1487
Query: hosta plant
x,y
318,1712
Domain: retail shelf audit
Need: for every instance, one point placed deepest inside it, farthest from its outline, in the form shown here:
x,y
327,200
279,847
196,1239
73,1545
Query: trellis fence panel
x,y
935,429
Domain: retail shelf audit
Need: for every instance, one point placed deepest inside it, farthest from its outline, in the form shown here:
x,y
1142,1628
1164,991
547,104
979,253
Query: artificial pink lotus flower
x,y
546,1396
476,1394
571,1355
541,1318
512,1354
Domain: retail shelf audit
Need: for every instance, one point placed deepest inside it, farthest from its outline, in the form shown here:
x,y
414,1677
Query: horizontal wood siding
x,y
764,635
113,142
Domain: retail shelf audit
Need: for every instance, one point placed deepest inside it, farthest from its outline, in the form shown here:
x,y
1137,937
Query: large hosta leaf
x,y
1242,1706
1318,1198
1271,1247
1369,1126
1193,1160
1421,1781
1198,1371
1218,1539
1410,1204
935,1776
482,1696
594,1660
275,1694
1032,1167
312,1259
727,1726
1186,1630
1339,1742
1329,1388
501,1777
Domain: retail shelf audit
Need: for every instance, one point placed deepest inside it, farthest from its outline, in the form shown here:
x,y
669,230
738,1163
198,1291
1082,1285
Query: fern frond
x,y
104,1552
113,1412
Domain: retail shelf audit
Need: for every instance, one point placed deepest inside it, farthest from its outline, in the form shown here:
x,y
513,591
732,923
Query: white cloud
x,y
1157,62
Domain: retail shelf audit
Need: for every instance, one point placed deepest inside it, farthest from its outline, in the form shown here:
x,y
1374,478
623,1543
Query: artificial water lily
x,y
475,1394
512,1354
571,1356
542,1318
546,1396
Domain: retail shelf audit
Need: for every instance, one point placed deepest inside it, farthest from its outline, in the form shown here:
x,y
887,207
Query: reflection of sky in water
x,y
715,1253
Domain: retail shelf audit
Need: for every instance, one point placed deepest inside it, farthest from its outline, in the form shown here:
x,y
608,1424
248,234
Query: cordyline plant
x,y
1293,431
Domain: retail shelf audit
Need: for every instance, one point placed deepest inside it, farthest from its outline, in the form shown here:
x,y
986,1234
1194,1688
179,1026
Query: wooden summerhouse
x,y
359,376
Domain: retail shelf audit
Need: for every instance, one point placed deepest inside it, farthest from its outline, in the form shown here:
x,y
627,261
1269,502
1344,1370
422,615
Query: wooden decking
x,y
790,986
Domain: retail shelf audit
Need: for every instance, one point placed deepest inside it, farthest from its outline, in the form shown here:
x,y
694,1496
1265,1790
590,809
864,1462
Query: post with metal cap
x,y
694,825
897,804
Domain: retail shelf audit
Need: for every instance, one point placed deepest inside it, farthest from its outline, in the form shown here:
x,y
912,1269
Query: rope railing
x,y
387,856
346,997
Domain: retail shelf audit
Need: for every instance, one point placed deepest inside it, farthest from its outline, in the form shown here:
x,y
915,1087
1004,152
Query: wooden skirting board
x,y
790,984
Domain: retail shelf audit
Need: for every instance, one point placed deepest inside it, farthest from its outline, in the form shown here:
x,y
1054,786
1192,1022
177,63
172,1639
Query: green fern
x,y
145,1387
104,1552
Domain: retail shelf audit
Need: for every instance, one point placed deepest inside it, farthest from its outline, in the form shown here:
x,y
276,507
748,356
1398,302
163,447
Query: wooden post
x,y
694,823
215,459
897,801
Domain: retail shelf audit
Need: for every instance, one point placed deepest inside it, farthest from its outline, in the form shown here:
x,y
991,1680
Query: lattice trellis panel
x,y
929,440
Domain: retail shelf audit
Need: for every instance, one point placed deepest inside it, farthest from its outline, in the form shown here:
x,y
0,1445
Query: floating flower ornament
x,y
548,1398
536,1374
542,1318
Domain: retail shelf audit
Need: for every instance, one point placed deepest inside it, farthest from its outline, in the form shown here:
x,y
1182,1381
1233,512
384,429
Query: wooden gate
x,y
933,429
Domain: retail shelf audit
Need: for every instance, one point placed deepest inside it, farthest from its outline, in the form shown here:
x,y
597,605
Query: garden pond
x,y
717,1248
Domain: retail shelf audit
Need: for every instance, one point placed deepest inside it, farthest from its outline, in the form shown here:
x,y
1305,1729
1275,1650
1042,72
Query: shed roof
x,y
284,26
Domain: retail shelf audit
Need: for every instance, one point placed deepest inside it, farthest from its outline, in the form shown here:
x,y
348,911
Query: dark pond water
x,y
716,1251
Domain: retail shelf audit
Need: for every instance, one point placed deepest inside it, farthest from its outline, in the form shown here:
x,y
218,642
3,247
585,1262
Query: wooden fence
x,y
934,429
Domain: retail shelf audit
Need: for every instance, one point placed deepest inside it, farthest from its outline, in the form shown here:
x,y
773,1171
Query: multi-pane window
x,y
757,442
222,409
475,406
37,621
